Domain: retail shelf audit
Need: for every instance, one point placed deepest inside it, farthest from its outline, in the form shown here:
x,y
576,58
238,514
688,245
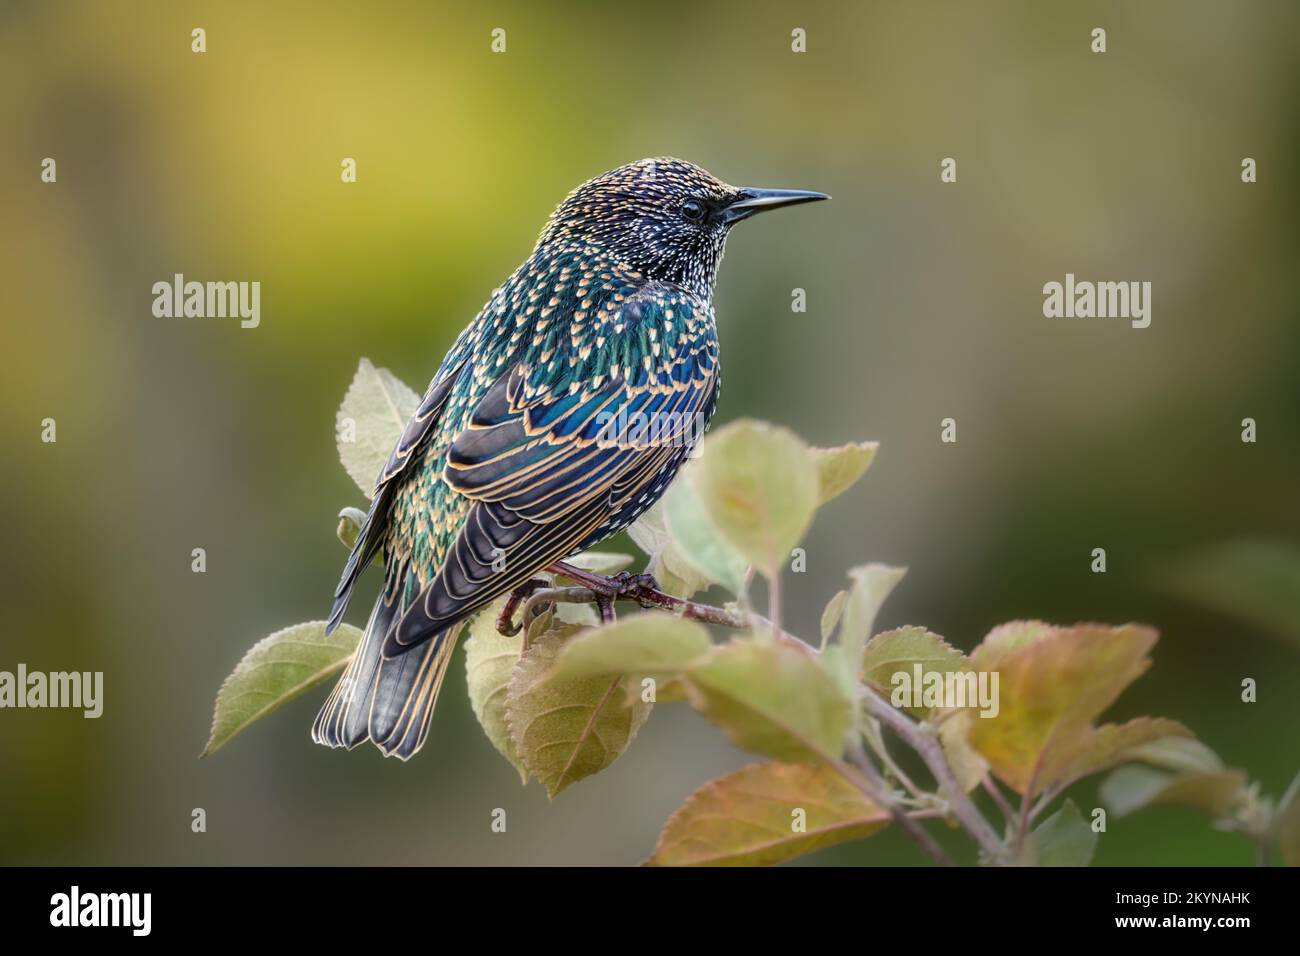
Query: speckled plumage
x,y
510,463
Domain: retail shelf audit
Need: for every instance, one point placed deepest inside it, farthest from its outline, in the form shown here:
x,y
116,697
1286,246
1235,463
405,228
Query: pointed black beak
x,y
752,201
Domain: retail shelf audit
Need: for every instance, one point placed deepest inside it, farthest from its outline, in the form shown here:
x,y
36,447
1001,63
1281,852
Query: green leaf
x,y
698,543
276,670
901,651
1256,580
374,412
831,616
565,729
771,697
640,644
838,469
1286,826
674,573
750,817
1063,839
758,487
1133,787
599,562
870,584
954,735
490,661
1052,683
349,529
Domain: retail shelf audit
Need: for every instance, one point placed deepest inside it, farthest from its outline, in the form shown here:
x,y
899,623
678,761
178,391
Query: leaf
x,y
967,765
1256,580
374,412
276,670
838,469
670,569
696,541
771,697
1006,639
599,562
1095,749
758,487
1133,787
747,818
1052,683
640,644
349,529
869,585
565,729
831,615
1286,827
1063,839
902,651
490,661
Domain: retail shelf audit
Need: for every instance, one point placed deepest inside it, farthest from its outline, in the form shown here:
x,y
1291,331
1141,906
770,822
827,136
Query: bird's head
x,y
665,217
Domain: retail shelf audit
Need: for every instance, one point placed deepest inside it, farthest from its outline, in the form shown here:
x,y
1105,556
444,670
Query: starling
x,y
513,460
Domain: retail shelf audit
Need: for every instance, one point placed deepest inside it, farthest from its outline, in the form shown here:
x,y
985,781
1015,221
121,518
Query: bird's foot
x,y
624,585
505,620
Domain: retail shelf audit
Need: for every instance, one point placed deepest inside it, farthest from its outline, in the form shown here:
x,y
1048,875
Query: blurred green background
x,y
924,301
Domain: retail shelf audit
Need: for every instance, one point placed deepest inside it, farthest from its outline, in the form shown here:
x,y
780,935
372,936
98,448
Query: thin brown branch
x,y
967,814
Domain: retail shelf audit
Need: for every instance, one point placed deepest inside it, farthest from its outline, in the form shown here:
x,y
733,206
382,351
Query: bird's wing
x,y
545,472
371,535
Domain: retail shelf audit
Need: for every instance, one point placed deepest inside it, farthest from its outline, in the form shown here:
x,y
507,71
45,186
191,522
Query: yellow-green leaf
x,y
375,409
565,729
1063,839
894,660
771,697
869,585
696,541
1133,787
758,487
651,643
1051,687
766,813
490,661
839,468
675,575
831,615
349,527
275,671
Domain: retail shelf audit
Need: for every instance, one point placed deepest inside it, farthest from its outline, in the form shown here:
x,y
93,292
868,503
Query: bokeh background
x,y
924,301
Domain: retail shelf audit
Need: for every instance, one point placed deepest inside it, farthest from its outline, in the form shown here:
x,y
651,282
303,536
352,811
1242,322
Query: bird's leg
x,y
505,621
605,608
625,584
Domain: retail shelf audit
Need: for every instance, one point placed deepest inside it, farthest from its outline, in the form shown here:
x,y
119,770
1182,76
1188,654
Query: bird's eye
x,y
693,210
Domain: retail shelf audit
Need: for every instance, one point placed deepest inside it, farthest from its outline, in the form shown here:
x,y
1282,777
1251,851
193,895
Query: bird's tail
x,y
387,701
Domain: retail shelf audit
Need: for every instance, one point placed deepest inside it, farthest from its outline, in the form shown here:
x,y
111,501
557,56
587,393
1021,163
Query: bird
x,y
512,461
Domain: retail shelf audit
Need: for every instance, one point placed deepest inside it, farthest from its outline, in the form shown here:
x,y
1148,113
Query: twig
x,y
928,748
875,789
991,788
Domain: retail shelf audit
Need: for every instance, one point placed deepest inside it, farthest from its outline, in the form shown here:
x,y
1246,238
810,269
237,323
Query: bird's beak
x,y
752,201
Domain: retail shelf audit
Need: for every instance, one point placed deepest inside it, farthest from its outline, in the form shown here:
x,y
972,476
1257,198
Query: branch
x,y
928,748
877,791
